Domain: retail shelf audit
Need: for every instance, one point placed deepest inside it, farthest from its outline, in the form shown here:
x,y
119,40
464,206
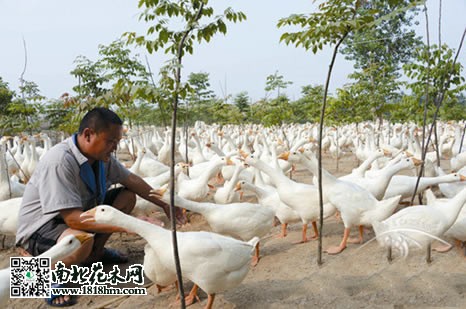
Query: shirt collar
x,y
85,170
73,143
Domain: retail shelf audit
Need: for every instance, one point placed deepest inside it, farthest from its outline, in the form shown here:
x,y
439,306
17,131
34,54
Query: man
x,y
74,177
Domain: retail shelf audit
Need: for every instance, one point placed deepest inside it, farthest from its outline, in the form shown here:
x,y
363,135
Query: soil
x,y
288,275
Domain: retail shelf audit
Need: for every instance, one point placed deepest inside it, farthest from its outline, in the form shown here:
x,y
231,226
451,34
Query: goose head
x,y
462,177
73,242
66,246
101,214
240,185
160,193
249,159
291,156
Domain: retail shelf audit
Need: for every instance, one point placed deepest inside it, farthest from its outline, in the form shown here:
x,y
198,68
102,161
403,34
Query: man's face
x,y
102,144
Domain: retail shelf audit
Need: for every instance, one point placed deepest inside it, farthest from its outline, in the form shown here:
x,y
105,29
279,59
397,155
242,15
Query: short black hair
x,y
99,119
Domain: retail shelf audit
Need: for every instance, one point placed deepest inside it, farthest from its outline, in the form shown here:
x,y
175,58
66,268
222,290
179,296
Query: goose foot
x,y
335,250
219,179
342,246
255,261
355,241
192,297
360,239
338,216
302,241
283,232
210,301
304,238
161,289
256,256
442,248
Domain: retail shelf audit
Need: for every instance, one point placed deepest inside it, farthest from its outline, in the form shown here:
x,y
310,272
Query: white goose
x,y
227,194
143,208
302,198
458,161
27,159
458,230
239,220
197,189
270,198
198,155
34,157
358,207
215,263
157,272
9,213
378,185
136,167
453,188
47,144
150,166
404,185
416,226
62,249
361,169
8,189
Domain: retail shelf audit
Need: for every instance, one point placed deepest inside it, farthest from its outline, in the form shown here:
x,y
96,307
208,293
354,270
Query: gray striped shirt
x,y
56,184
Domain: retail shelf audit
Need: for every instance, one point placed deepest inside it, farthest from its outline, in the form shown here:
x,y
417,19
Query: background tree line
x,y
391,69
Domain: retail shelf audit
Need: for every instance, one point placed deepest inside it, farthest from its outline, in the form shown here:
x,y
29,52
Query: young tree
x,y
333,22
91,78
6,95
191,20
241,101
308,106
127,77
379,52
275,81
200,94
23,113
432,67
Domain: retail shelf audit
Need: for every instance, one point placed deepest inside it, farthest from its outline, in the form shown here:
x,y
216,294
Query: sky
x,y
57,31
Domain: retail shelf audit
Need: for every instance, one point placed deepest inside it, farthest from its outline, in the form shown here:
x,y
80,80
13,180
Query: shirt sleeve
x,y
58,188
116,172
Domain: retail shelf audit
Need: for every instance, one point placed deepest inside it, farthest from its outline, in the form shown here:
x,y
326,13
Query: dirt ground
x,y
288,276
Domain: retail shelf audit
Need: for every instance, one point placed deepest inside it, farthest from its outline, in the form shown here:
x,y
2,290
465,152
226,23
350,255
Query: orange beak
x,y
243,154
158,193
84,237
417,162
462,178
284,156
88,216
238,186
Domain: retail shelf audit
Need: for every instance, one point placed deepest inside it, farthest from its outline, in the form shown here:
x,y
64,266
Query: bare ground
x,y
288,276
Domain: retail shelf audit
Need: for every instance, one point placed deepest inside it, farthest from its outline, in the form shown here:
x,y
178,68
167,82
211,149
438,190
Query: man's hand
x,y
137,185
180,216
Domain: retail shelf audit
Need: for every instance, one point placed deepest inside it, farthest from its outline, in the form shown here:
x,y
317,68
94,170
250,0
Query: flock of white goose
x,y
226,161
